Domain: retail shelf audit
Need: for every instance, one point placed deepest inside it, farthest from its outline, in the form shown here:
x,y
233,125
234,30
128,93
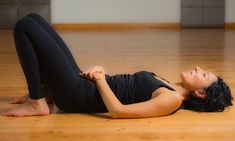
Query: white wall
x,y
123,11
229,11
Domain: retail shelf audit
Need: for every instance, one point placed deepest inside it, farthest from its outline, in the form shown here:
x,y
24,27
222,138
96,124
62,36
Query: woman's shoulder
x,y
169,100
168,93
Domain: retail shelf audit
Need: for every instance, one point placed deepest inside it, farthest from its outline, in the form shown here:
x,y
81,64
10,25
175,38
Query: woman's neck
x,y
181,90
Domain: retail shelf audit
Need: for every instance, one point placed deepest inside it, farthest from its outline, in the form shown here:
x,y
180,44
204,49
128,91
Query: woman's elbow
x,y
116,113
114,116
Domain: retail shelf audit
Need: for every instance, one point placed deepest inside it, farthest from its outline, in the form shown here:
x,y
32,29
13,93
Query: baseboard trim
x,y
96,26
229,25
93,26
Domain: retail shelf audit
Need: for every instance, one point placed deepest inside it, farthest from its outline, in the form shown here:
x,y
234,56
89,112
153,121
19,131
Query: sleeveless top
x,y
134,88
128,88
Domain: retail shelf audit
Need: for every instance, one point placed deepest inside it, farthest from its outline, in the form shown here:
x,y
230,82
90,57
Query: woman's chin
x,y
183,75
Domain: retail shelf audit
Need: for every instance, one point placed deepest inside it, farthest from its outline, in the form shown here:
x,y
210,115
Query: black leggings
x,y
45,58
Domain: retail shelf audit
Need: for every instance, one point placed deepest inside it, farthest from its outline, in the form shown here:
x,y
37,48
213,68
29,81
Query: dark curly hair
x,y
218,97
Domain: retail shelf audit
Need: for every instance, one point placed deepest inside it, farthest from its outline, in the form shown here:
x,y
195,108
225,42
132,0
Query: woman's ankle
x,y
41,102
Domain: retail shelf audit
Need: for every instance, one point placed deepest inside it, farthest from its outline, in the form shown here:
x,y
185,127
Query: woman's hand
x,y
98,75
94,73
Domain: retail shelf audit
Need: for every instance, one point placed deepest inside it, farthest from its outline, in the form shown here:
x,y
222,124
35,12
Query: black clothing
x,y
128,88
45,58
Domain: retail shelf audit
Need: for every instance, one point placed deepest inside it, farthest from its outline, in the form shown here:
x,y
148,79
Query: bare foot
x,y
31,107
20,100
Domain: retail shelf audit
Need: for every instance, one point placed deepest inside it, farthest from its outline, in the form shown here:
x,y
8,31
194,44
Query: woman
x,y
46,60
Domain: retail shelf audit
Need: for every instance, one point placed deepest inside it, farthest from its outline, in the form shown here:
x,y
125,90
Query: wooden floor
x,y
165,52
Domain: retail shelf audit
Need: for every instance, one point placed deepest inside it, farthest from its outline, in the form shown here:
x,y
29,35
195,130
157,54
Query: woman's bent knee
x,y
23,23
36,15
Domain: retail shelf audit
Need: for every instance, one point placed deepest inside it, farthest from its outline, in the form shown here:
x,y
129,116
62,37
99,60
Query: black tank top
x,y
128,88
133,88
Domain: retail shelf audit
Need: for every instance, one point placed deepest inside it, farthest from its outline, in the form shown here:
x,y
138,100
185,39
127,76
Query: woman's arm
x,y
164,104
97,74
110,100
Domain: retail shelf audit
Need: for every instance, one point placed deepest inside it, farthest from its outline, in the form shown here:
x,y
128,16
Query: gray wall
x,y
202,13
11,10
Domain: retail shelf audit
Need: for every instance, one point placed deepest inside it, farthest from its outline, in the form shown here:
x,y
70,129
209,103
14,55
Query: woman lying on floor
x,y
46,60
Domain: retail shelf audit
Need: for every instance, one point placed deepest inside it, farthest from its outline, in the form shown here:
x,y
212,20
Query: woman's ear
x,y
200,93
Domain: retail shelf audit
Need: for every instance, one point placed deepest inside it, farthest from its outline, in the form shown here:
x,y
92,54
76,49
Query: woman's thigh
x,y
67,86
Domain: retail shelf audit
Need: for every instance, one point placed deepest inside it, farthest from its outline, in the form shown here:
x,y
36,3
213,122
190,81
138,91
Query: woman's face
x,y
197,79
